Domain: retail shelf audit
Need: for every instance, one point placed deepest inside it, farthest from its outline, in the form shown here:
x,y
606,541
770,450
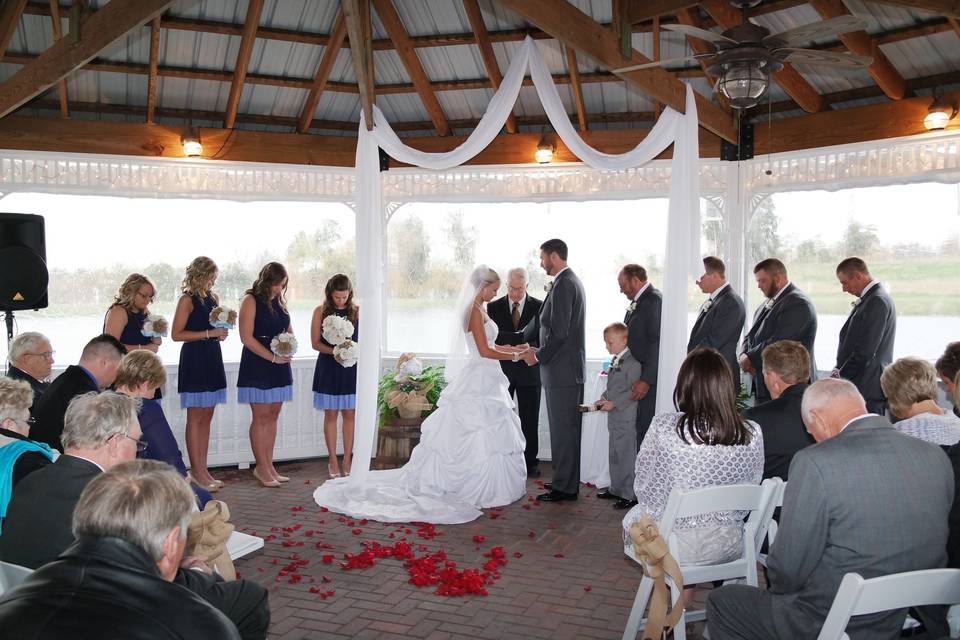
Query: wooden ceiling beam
x,y
650,9
359,29
337,37
789,79
154,63
100,30
943,7
9,19
860,42
57,30
954,24
408,56
574,28
576,87
475,17
250,25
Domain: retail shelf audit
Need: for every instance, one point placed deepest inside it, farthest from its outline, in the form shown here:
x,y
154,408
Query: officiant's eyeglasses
x,y
45,354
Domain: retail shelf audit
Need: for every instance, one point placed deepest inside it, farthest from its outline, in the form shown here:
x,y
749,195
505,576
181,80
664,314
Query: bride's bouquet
x,y
284,345
337,330
346,353
223,318
155,326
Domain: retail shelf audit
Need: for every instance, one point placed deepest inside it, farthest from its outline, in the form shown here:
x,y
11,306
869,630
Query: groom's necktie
x,y
516,316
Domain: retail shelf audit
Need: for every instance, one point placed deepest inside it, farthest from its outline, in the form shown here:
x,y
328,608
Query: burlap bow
x,y
408,404
654,555
207,538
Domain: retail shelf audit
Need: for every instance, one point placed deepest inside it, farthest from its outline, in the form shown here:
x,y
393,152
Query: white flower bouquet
x,y
155,326
223,318
284,345
337,330
408,366
346,353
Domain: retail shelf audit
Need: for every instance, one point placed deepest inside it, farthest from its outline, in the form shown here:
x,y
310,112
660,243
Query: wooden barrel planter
x,y
395,441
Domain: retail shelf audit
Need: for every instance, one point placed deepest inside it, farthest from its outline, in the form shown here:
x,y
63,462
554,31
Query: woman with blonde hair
x,y
265,380
335,386
130,308
910,385
201,380
19,455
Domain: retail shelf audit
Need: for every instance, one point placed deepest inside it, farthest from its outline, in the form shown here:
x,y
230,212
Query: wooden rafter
x,y
576,87
154,63
574,28
655,37
9,19
954,24
408,56
860,42
254,9
357,15
327,60
788,78
643,11
943,7
621,27
57,34
474,15
102,29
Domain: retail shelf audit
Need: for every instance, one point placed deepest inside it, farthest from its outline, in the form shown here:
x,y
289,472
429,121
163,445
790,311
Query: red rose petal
x,y
517,554
478,538
558,555
588,588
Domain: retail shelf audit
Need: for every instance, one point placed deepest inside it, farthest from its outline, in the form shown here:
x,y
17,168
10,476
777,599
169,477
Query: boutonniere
x,y
548,287
632,307
769,304
617,365
856,302
706,305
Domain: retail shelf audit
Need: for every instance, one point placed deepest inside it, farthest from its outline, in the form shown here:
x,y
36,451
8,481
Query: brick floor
x,y
586,593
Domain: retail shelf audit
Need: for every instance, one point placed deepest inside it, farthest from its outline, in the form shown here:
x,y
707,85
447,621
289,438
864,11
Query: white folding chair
x,y
11,575
859,597
772,526
755,499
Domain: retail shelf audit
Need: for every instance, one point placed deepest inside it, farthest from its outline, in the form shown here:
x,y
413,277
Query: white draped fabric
x,y
682,233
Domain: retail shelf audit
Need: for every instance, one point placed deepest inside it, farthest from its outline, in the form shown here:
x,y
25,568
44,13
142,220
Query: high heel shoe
x,y
272,484
332,473
280,478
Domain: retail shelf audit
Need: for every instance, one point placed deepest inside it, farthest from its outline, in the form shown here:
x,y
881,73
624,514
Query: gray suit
x,y
791,318
866,345
870,500
622,425
559,332
643,325
720,328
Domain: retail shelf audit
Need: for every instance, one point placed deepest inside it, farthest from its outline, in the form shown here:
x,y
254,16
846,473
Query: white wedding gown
x,y
470,456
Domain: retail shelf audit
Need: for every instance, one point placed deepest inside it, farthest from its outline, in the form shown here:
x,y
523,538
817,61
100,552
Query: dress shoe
x,y
623,503
606,495
556,496
271,483
280,478
548,486
533,472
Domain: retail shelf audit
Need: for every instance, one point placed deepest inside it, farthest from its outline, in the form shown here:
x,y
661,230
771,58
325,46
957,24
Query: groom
x,y
558,333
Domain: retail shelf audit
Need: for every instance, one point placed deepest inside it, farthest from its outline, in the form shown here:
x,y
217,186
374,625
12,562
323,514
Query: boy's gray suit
x,y
622,425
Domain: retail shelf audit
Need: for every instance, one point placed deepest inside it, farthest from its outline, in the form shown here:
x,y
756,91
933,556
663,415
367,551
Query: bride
x,y
470,454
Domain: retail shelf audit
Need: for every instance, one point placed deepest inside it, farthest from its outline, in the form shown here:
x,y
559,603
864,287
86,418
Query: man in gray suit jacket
x,y
643,324
787,314
866,338
720,322
866,499
558,332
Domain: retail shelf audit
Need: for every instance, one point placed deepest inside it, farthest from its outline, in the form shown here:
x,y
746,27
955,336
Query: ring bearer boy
x,y
621,410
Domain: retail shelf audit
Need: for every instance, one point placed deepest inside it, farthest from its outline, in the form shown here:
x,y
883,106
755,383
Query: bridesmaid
x,y
265,380
125,317
335,386
201,381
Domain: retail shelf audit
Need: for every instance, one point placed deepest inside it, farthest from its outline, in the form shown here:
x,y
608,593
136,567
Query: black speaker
x,y
23,262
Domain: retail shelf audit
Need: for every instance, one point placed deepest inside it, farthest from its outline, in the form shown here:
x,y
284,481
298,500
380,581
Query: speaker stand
x,y
8,318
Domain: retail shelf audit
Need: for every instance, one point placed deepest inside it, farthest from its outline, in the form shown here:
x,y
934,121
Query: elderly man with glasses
x,y
31,360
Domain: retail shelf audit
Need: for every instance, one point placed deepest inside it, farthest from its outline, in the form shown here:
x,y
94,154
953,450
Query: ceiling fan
x,y
746,55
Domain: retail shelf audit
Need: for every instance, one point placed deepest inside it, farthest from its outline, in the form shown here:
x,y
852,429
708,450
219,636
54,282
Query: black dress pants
x,y
528,406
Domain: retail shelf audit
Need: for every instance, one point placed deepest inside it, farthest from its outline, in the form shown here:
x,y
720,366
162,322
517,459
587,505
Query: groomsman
x,y
866,339
786,314
643,339
512,313
720,322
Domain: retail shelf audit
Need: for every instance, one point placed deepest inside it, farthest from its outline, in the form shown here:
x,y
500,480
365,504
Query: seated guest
x,y
705,444
140,375
864,499
118,578
953,541
31,360
96,370
786,370
100,432
948,368
19,456
910,385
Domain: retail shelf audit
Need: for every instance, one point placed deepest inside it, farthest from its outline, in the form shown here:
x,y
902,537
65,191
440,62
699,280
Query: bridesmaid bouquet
x,y
223,318
346,353
155,326
337,330
284,345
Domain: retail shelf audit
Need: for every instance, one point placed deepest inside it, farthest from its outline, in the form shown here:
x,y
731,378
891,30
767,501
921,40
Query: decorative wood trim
x,y
337,37
250,25
474,15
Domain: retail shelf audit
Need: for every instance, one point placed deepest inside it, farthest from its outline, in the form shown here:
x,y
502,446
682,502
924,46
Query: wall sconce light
x,y
191,144
545,150
940,112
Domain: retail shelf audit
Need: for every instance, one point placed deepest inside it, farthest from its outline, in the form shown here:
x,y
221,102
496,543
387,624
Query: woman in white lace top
x,y
705,444
910,385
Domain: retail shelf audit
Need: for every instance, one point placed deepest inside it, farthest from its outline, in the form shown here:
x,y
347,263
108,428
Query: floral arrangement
x,y
284,345
346,353
223,318
337,330
155,326
410,389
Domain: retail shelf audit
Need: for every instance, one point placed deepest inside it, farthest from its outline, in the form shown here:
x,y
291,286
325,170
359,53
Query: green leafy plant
x,y
743,398
431,379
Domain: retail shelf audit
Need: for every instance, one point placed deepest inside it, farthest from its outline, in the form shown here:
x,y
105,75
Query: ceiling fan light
x,y
743,83
940,113
545,150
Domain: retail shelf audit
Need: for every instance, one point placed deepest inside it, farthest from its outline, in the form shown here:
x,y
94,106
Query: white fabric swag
x,y
683,229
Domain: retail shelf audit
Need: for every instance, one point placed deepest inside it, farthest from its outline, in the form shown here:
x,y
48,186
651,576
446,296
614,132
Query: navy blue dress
x,y
335,386
201,381
162,445
259,380
133,334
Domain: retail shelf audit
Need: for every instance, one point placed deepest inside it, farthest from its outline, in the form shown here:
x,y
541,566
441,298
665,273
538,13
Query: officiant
x,y
512,312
